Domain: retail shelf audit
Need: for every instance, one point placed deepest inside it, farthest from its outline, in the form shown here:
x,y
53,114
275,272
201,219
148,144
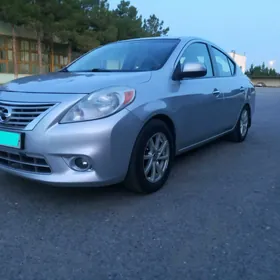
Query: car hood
x,y
70,82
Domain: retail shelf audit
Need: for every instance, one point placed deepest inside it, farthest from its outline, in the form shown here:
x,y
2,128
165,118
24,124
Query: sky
x,y
246,26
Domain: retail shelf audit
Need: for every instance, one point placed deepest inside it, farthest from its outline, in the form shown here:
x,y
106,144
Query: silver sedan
x,y
122,112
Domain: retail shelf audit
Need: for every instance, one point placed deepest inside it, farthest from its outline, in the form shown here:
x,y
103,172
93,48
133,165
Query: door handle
x,y
216,92
242,88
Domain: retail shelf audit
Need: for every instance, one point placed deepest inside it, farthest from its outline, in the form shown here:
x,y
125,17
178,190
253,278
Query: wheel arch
x,y
168,121
247,105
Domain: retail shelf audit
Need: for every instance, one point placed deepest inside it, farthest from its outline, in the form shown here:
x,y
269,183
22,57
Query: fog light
x,y
81,163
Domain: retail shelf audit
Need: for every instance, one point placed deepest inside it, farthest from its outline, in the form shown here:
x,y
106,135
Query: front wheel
x,y
151,159
241,129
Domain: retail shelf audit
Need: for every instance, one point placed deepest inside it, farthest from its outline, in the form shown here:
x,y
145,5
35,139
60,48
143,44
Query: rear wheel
x,y
241,129
151,158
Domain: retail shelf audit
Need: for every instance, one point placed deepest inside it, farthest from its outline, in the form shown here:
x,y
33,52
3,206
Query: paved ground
x,y
218,218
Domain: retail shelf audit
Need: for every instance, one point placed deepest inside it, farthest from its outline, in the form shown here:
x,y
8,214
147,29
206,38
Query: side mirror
x,y
191,70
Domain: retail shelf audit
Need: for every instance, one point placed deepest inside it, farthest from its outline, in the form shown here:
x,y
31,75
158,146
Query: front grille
x,y
21,114
21,161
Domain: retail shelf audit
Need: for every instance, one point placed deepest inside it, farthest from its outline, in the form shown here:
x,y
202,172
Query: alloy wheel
x,y
244,122
156,157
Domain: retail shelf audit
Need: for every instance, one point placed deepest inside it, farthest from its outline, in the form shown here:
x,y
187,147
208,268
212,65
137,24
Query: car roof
x,y
183,39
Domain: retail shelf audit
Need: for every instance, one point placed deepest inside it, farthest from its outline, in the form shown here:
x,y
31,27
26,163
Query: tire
x,y
238,134
136,179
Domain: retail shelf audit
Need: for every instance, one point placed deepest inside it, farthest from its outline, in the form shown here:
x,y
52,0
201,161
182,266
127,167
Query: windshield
x,y
127,56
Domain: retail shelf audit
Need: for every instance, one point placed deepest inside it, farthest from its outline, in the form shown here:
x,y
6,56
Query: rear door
x,y
231,84
200,100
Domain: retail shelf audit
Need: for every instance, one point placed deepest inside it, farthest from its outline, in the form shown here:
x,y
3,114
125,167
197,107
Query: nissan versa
x,y
122,112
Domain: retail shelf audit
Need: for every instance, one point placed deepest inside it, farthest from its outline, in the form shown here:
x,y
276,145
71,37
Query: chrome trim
x,y
190,147
24,116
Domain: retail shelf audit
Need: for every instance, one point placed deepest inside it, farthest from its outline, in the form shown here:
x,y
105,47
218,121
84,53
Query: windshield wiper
x,y
92,70
100,70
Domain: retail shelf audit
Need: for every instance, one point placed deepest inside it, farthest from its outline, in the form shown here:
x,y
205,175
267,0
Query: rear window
x,y
222,63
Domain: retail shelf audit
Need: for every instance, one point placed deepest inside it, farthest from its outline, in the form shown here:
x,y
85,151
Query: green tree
x,y
52,19
11,12
35,18
128,21
154,27
261,71
251,70
272,72
68,21
82,24
87,5
102,22
86,24
263,68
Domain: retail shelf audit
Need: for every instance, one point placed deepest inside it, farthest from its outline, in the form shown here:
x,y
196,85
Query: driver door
x,y
201,102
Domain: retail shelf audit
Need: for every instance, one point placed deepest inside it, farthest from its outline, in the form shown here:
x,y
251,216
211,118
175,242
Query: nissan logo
x,y
5,114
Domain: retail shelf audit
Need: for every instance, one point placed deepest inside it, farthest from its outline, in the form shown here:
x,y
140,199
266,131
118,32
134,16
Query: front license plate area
x,y
11,139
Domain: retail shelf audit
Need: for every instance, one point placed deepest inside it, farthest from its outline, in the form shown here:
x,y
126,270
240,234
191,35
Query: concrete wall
x,y
269,82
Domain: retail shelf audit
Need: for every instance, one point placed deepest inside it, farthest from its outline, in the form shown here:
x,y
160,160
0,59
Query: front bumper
x,y
107,142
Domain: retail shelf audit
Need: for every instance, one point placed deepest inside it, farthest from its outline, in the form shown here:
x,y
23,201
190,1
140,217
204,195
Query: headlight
x,y
100,104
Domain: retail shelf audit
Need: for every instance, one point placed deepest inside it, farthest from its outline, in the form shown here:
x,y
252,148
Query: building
x,y
54,56
239,59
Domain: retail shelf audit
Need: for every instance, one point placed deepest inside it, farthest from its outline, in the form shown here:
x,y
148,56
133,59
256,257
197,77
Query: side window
x,y
232,67
198,52
222,63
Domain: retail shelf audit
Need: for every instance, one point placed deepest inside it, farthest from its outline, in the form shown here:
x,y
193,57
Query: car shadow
x,y
43,193
204,149
114,192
